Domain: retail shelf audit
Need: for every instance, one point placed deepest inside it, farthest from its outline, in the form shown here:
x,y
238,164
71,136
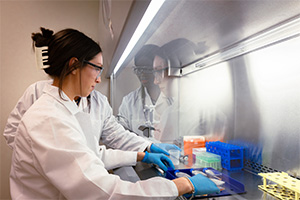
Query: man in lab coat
x,y
144,105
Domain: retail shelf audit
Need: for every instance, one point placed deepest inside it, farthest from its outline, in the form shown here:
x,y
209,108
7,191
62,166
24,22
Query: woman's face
x,y
89,75
161,78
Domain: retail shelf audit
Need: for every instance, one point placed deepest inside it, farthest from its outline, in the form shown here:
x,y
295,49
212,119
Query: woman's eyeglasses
x,y
99,69
159,73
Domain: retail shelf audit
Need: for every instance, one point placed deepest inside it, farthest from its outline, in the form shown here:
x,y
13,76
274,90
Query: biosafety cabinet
x,y
234,69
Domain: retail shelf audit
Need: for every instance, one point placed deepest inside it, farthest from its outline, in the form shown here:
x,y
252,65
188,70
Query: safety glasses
x,y
160,73
139,70
99,69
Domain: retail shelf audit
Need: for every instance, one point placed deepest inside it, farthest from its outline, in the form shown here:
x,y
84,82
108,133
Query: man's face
x,y
145,75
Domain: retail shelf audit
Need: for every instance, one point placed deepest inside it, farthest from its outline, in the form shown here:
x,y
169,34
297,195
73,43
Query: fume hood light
x,y
150,13
284,31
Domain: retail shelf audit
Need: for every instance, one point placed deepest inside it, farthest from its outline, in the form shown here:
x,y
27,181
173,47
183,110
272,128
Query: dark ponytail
x,y
42,39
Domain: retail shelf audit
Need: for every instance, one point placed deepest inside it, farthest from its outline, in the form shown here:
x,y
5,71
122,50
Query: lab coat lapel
x,y
85,121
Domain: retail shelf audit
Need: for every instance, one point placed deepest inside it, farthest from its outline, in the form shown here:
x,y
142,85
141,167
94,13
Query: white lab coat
x,y
131,111
111,133
54,158
32,93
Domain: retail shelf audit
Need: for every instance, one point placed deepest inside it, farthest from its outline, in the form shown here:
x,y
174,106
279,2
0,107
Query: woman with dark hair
x,y
55,157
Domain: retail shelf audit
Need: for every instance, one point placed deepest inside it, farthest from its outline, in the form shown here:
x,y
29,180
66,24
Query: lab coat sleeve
x,y
119,138
31,94
61,157
115,136
111,158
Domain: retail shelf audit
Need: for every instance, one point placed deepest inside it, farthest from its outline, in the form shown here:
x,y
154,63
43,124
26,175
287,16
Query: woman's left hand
x,y
159,159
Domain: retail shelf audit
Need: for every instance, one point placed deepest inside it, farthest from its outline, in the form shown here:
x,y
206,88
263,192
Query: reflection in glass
x,y
141,108
184,116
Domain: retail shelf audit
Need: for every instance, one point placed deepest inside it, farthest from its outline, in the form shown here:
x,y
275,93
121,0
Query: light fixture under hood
x,y
150,13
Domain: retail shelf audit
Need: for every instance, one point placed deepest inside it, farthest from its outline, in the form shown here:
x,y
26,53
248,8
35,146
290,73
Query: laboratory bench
x,y
249,179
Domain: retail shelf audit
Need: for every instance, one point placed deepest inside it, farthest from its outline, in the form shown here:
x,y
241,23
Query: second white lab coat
x,y
31,94
54,158
111,133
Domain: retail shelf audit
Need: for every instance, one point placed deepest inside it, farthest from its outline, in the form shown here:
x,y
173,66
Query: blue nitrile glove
x,y
163,148
159,159
203,185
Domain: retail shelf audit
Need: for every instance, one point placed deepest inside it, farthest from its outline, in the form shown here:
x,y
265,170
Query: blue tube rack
x,y
232,156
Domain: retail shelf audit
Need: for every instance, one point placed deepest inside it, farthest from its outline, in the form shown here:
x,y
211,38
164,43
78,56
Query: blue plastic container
x,y
232,156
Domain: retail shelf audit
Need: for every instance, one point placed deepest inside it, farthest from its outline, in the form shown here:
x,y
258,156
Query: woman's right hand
x,y
198,184
203,185
183,185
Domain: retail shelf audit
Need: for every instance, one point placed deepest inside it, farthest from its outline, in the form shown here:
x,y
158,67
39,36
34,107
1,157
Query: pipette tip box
x,y
206,159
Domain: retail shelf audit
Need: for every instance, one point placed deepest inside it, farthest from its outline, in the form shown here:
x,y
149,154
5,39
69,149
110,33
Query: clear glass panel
x,y
253,98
